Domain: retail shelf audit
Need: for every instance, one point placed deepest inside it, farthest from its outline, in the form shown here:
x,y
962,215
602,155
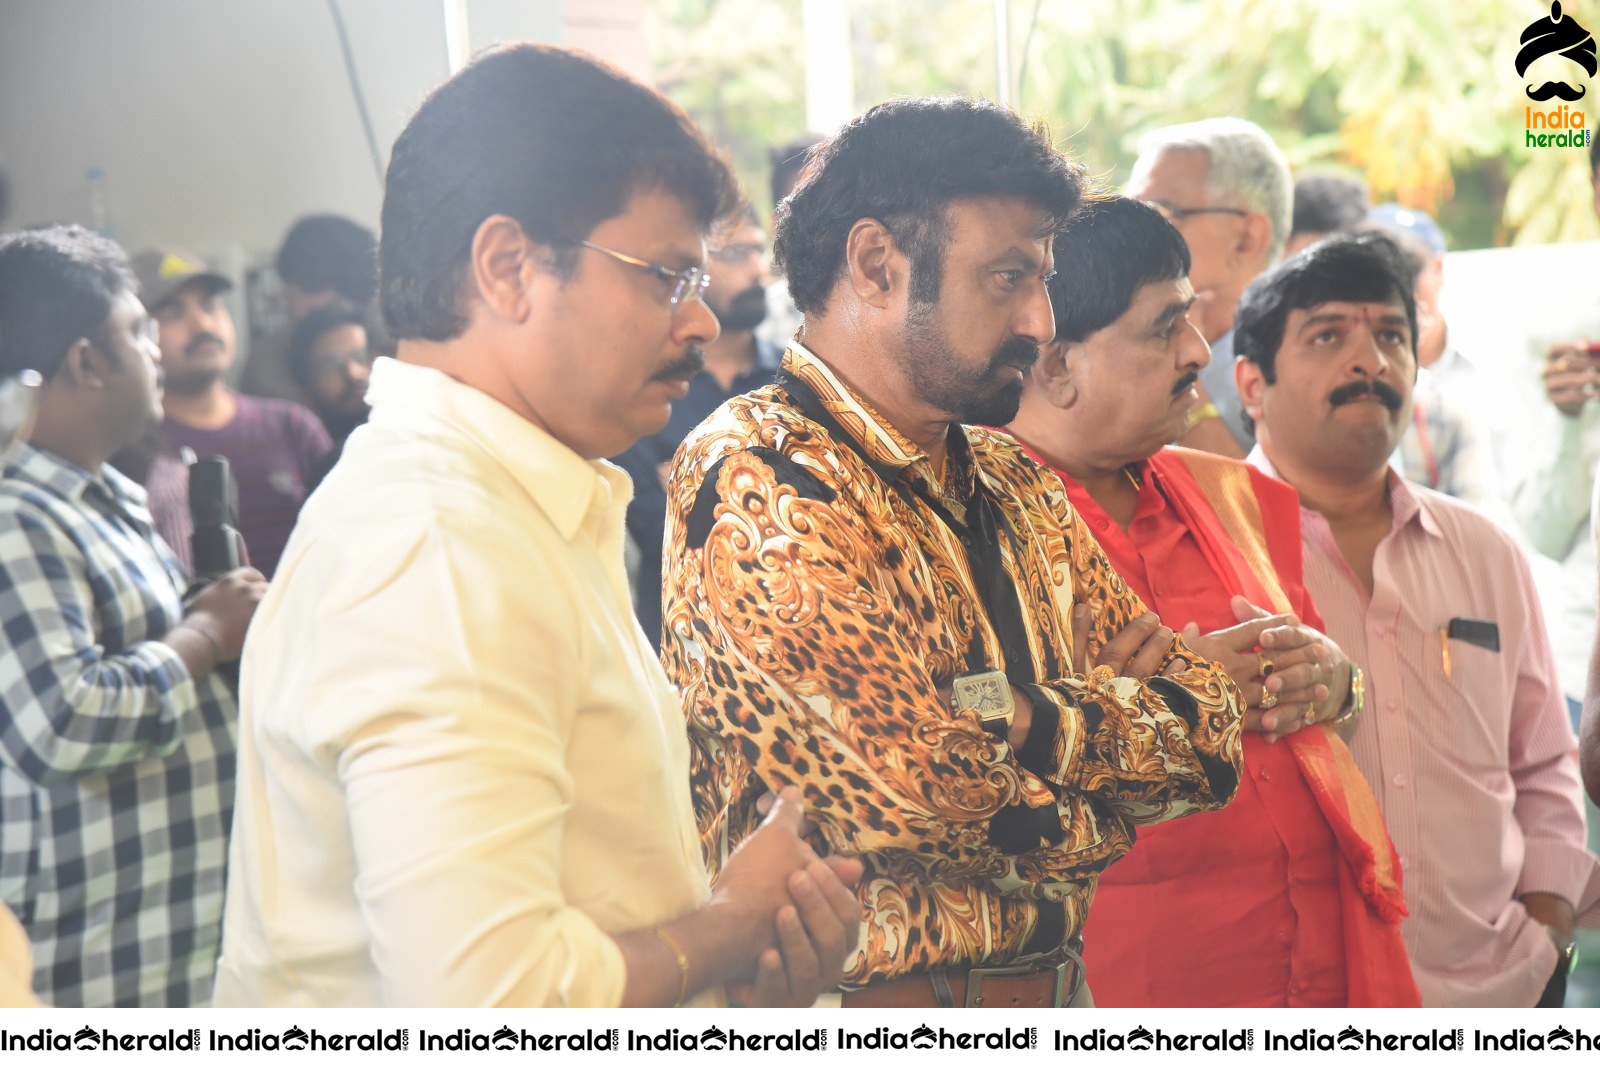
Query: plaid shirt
x,y
116,766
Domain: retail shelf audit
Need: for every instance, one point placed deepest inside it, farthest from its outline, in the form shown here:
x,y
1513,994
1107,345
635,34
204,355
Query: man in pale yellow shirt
x,y
463,777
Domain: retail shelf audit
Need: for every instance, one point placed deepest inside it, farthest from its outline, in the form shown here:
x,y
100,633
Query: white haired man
x,y
1226,187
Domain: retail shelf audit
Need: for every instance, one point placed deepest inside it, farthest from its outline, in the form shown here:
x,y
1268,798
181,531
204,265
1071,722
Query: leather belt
x,y
1040,982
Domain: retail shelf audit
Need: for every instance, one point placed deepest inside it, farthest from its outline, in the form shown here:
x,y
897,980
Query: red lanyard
x,y
1425,445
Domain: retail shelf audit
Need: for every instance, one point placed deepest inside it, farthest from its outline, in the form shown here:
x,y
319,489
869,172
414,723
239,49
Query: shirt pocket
x,y
1475,730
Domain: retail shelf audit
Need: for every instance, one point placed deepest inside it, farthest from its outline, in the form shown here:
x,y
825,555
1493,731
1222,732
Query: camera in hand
x,y
214,511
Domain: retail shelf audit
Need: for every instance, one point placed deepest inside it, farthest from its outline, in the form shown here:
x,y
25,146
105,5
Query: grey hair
x,y
1246,167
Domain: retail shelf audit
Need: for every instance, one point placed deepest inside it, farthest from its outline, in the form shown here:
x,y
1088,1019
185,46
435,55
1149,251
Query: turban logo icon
x,y
1557,34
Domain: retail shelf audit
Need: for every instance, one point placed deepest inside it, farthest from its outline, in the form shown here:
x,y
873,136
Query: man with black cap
x,y
274,447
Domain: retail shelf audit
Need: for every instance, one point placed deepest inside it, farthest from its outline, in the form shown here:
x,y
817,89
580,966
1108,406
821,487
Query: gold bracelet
x,y
683,962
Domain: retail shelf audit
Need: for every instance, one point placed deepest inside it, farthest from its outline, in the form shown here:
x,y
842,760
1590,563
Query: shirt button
x,y
1391,704
1399,781
1405,862
1265,774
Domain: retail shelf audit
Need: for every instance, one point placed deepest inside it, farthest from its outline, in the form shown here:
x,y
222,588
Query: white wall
x,y
218,122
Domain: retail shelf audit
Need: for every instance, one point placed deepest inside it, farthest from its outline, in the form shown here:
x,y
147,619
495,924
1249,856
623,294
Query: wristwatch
x,y
988,693
1355,701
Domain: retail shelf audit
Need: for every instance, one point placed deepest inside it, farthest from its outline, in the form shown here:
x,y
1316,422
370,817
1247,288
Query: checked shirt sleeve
x,y
73,708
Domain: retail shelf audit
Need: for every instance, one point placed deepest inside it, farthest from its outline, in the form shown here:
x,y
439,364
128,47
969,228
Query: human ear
x,y
1255,238
874,263
504,260
1056,372
1252,386
84,366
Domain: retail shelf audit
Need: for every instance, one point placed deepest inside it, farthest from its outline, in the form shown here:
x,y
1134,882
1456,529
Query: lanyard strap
x,y
980,536
1424,444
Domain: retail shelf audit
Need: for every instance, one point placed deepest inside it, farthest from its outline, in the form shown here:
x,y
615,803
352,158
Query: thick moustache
x,y
1018,353
683,369
1353,391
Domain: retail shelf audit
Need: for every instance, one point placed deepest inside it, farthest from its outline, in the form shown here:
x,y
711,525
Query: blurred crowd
x,y
631,599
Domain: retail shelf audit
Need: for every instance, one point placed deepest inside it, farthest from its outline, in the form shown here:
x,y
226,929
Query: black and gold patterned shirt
x,y
817,602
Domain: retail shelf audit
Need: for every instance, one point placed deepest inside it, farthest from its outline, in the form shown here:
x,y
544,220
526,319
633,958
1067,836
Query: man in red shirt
x,y
1291,895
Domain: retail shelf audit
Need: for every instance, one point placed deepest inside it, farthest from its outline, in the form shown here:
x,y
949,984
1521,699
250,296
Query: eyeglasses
x,y
1177,215
738,253
686,284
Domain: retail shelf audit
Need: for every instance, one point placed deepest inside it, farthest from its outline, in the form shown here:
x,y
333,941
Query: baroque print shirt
x,y
823,588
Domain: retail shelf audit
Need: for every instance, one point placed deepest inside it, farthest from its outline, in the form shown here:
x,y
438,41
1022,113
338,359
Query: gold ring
x,y
1269,700
1266,665
1311,713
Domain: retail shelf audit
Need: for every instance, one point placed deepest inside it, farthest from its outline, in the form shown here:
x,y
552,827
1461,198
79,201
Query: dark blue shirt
x,y
647,514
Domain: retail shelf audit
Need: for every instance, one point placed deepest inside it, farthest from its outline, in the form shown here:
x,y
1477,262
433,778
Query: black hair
x,y
1112,248
552,138
788,162
1414,252
309,331
902,163
1329,204
1358,267
322,252
57,285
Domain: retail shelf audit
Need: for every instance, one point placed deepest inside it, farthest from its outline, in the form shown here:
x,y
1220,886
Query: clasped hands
x,y
1291,675
805,904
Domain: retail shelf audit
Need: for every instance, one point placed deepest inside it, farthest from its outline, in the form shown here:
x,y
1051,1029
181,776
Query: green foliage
x,y
1421,98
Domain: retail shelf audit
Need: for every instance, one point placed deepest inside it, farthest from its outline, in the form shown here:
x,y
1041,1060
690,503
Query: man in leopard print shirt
x,y
850,569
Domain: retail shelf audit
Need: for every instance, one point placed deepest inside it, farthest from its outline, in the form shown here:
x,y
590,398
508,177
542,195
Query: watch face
x,y
988,694
985,695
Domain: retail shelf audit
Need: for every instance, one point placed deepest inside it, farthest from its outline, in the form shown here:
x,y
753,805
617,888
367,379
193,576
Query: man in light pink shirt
x,y
1464,737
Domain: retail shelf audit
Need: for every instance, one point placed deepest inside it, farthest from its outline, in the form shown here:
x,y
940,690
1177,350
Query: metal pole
x,y
830,68
1002,51
457,38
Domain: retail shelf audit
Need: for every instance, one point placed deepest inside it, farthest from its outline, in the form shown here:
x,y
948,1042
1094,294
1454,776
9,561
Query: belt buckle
x,y
976,976
1058,996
